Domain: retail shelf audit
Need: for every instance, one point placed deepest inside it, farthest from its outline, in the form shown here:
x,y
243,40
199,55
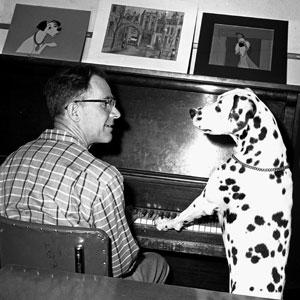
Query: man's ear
x,y
72,111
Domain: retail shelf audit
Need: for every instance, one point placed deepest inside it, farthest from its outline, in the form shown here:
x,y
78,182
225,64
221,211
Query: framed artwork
x,y
242,48
47,32
155,34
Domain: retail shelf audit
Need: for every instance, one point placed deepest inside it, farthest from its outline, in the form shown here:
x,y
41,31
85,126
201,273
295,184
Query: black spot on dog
x,y
229,181
244,134
239,126
250,227
228,237
249,161
248,149
235,188
238,196
278,218
276,275
257,153
276,234
226,200
255,259
275,134
276,162
232,168
272,176
286,233
271,287
280,247
251,289
231,217
284,252
253,140
223,188
242,170
245,207
234,253
263,133
278,175
257,122
249,253
233,286
259,220
218,109
262,250
283,191
223,167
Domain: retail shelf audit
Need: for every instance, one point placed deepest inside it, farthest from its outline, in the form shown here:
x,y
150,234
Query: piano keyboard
x,y
147,217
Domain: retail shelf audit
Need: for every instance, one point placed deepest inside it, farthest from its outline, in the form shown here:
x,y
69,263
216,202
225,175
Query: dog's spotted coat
x,y
251,192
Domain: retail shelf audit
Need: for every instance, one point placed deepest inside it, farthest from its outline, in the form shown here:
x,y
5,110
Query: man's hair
x,y
69,85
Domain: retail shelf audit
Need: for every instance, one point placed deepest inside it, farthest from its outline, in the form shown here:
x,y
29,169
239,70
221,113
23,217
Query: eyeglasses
x,y
109,102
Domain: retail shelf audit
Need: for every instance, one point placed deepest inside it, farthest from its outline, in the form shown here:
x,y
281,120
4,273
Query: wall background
x,y
288,10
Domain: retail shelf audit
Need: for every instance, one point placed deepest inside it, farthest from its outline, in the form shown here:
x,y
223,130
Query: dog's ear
x,y
242,110
42,25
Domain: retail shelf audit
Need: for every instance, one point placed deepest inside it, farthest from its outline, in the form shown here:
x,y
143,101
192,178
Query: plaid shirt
x,y
55,180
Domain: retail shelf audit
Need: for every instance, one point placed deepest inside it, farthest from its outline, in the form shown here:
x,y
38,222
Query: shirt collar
x,y
61,135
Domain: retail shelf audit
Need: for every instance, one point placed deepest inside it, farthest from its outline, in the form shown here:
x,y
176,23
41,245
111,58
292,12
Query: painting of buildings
x,y
143,32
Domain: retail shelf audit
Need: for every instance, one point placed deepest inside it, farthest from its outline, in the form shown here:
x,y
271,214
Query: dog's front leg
x,y
199,207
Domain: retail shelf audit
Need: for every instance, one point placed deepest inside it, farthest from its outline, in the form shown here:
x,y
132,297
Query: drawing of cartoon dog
x,y
241,48
35,43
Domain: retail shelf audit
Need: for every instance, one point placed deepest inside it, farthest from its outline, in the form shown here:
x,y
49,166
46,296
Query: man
x,y
56,180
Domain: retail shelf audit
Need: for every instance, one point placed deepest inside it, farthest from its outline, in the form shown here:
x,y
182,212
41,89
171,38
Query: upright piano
x,y
164,159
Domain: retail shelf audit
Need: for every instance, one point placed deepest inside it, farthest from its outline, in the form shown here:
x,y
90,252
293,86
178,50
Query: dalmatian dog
x,y
35,44
251,193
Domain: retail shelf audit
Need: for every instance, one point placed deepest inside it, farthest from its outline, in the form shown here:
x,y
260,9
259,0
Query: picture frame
x,y
225,42
152,35
47,32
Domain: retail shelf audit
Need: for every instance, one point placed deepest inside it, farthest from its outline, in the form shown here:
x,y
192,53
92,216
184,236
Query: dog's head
x,y
50,27
228,115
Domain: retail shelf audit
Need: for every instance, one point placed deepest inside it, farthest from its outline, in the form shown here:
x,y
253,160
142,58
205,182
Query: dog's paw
x,y
166,224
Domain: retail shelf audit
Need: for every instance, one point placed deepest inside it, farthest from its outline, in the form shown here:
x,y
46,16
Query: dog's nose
x,y
192,112
58,29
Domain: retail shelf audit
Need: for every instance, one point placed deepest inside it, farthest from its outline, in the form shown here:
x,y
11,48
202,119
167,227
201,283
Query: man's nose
x,y
115,113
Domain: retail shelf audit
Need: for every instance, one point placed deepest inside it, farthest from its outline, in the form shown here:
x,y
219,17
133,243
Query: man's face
x,y
96,121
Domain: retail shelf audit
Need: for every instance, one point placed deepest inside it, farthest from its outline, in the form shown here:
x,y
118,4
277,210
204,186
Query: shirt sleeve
x,y
108,214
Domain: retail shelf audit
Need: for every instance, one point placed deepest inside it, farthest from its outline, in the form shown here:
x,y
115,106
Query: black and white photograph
x,y
143,34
